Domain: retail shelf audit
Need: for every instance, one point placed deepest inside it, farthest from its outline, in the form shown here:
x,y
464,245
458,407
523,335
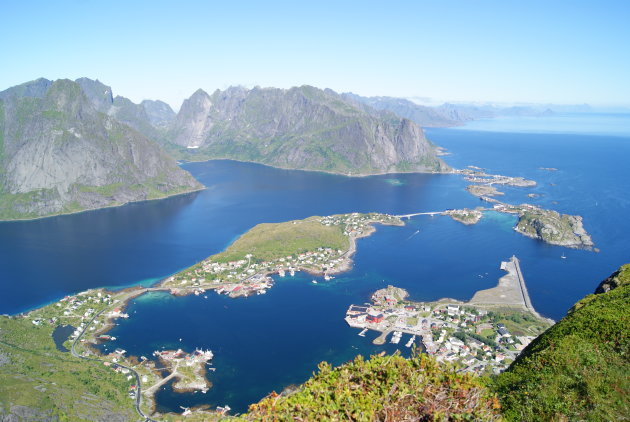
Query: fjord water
x,y
267,342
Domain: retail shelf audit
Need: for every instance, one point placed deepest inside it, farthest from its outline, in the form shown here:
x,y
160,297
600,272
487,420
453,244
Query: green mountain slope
x,y
300,128
59,154
578,369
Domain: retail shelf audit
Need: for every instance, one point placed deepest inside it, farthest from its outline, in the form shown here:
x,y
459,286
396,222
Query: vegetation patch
x,y
272,241
578,369
384,388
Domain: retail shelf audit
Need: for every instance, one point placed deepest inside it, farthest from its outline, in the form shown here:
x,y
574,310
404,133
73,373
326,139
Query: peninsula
x,y
484,334
321,246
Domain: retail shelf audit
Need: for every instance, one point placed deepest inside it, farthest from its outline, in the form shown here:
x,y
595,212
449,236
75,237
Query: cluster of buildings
x,y
477,176
449,331
247,276
188,359
357,224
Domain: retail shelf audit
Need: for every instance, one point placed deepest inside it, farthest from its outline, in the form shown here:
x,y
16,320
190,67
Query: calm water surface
x,y
268,342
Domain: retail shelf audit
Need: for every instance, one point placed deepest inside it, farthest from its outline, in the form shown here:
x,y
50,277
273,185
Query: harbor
x,y
483,335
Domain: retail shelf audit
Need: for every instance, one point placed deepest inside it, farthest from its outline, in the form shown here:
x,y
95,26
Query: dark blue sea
x,y
268,342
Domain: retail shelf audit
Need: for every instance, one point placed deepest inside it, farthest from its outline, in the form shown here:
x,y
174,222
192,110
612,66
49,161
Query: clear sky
x,y
503,51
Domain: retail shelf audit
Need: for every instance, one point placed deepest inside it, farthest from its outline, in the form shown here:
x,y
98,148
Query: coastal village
x,y
483,336
250,275
480,336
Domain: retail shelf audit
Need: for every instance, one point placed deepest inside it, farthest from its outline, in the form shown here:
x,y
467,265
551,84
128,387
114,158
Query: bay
x,y
268,342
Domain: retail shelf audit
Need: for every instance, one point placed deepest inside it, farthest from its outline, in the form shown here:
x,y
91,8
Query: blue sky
x,y
503,51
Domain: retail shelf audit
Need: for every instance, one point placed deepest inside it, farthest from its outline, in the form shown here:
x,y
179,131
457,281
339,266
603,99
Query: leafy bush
x,y
384,388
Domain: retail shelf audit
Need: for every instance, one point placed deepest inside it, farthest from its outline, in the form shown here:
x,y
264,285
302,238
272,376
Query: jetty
x,y
511,290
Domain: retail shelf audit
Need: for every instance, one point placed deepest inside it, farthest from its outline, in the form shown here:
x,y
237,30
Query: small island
x,y
553,227
466,216
546,225
483,190
480,176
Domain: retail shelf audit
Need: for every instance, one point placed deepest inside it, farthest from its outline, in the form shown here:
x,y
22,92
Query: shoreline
x,y
126,295
103,208
391,312
351,175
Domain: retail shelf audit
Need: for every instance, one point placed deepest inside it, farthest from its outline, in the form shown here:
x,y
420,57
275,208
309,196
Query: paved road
x,y
138,383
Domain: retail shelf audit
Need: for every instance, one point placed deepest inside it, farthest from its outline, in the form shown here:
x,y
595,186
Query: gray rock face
x,y
59,153
159,113
24,413
151,118
304,128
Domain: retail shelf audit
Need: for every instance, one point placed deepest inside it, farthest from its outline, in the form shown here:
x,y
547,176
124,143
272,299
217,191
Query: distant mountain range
x,y
62,150
445,115
67,146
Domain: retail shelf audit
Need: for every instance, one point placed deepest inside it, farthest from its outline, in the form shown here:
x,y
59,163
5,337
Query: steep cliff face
x,y
304,128
59,154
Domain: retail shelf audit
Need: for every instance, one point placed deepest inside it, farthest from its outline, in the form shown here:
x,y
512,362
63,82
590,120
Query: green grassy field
x,y
50,383
272,241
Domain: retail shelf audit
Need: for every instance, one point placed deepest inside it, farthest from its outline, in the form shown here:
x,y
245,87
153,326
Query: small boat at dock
x,y
410,342
396,337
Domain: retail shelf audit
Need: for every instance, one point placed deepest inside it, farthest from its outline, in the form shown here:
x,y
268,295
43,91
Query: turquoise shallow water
x,y
267,342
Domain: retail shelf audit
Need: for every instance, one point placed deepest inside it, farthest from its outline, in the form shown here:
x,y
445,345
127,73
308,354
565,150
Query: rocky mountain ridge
x,y
59,153
301,128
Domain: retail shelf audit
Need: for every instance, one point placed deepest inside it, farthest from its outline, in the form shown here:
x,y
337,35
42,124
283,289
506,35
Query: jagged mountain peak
x,y
301,127
60,154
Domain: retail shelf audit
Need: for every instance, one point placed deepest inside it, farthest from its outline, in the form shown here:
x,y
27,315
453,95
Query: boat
x,y
292,272
563,256
396,337
314,281
410,342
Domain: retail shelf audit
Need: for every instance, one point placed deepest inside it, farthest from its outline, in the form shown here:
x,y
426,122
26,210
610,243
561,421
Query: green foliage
x,y
578,369
35,374
383,388
105,190
14,206
272,241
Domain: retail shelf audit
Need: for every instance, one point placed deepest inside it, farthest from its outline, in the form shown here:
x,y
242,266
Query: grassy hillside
x,y
272,241
578,369
39,382
385,388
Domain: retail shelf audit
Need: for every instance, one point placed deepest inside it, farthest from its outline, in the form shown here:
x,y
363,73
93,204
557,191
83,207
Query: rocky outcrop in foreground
x,y
60,154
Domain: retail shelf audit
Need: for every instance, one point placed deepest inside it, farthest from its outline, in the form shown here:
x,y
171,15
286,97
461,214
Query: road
x,y
138,383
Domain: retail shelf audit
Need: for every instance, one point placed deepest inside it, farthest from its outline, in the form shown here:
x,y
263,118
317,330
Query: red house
x,y
375,318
